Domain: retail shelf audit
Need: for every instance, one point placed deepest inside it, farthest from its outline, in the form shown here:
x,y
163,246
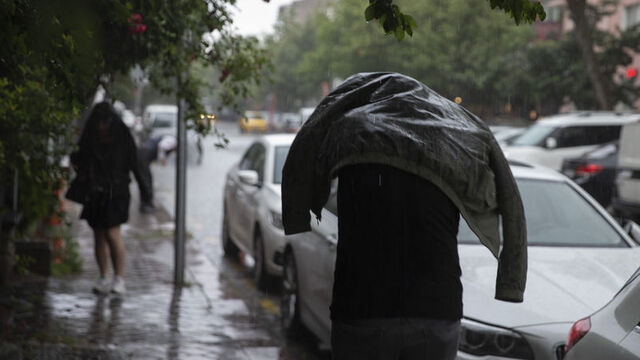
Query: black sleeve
x,y
134,165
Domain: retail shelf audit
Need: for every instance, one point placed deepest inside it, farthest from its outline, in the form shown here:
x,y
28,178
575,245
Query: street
x,y
205,184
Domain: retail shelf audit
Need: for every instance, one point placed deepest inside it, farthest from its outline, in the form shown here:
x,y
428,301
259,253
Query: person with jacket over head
x,y
106,156
409,162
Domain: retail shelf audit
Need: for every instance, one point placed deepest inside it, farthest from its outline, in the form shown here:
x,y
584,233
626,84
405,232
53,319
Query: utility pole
x,y
181,177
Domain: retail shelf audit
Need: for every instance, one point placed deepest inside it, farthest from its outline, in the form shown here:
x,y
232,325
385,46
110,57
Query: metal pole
x,y
181,172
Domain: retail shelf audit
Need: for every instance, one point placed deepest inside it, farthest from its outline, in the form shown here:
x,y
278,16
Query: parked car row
x,y
162,119
598,150
579,258
269,121
252,209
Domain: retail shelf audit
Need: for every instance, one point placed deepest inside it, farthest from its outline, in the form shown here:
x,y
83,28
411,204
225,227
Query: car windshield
x,y
165,120
507,134
253,115
533,136
278,163
557,215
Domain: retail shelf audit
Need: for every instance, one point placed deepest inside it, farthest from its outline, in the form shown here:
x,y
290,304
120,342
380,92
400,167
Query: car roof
x,y
589,118
161,107
523,170
278,139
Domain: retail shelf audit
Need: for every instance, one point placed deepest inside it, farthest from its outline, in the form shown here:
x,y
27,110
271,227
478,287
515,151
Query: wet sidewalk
x,y
207,319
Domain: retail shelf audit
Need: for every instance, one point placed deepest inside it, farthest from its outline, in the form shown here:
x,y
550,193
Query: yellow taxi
x,y
252,121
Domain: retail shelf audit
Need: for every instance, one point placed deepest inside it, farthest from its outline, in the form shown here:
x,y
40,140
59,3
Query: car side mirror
x,y
551,143
632,229
249,177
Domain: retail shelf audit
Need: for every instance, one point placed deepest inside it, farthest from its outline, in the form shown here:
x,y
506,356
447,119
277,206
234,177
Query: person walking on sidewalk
x,y
106,155
155,148
409,162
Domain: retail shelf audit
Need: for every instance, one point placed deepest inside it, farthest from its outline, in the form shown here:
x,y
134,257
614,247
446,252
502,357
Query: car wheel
x,y
230,249
260,275
289,307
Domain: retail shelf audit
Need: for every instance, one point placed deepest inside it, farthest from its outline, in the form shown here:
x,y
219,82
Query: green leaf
x,y
539,10
369,13
399,33
410,20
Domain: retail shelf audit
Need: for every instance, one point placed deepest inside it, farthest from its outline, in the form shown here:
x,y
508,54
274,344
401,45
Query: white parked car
x,y
505,135
627,199
611,333
578,259
160,119
552,139
252,213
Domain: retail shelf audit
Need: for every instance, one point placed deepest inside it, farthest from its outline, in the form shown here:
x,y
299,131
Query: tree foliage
x,y
56,52
561,71
394,21
462,49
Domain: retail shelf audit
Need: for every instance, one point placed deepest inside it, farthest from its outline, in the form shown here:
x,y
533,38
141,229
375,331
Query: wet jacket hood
x,y
392,119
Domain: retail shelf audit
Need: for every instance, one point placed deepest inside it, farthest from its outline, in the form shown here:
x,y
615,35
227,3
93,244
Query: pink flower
x,y
135,24
225,74
135,19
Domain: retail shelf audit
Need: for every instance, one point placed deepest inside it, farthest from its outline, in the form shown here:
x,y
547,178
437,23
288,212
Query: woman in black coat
x,y
106,155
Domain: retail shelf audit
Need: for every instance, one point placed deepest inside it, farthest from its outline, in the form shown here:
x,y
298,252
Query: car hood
x,y
523,153
563,284
273,195
275,189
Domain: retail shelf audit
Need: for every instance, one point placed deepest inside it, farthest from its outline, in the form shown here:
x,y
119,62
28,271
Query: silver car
x,y
252,220
611,333
578,259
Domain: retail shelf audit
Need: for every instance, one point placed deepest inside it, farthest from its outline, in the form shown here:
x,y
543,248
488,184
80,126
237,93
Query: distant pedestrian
x,y
408,163
106,155
155,148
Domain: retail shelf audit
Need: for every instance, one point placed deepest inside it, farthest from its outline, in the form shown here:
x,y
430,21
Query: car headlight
x,y
482,340
276,219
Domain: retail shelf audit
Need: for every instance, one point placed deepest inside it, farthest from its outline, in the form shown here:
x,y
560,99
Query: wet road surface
x,y
219,314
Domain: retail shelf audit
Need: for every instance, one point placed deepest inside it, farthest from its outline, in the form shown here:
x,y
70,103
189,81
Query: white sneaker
x,y
118,286
101,286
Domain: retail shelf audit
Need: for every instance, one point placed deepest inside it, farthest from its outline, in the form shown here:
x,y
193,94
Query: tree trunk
x,y
8,222
585,40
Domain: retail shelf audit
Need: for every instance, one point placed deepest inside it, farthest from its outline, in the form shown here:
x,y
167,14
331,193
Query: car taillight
x,y
589,169
577,332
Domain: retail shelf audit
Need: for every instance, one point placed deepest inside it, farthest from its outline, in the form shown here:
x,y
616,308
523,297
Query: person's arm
x,y
512,264
166,146
134,165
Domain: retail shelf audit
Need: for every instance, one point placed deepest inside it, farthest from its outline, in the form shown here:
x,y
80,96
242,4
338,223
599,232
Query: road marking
x,y
269,306
210,239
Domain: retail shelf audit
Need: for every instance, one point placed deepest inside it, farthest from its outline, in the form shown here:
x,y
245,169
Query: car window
x,y
249,158
587,135
253,115
557,215
332,203
605,134
165,120
258,162
279,157
534,135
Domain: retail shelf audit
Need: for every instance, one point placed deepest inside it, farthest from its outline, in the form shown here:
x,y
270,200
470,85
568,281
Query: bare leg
x,y
101,250
117,250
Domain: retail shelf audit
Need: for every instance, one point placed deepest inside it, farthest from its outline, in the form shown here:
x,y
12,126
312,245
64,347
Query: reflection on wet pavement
x,y
218,315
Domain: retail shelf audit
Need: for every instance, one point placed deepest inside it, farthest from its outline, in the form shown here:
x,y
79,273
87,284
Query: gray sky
x,y
256,17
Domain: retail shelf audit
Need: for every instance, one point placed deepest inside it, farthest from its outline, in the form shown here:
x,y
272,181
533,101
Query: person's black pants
x,y
145,157
395,339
